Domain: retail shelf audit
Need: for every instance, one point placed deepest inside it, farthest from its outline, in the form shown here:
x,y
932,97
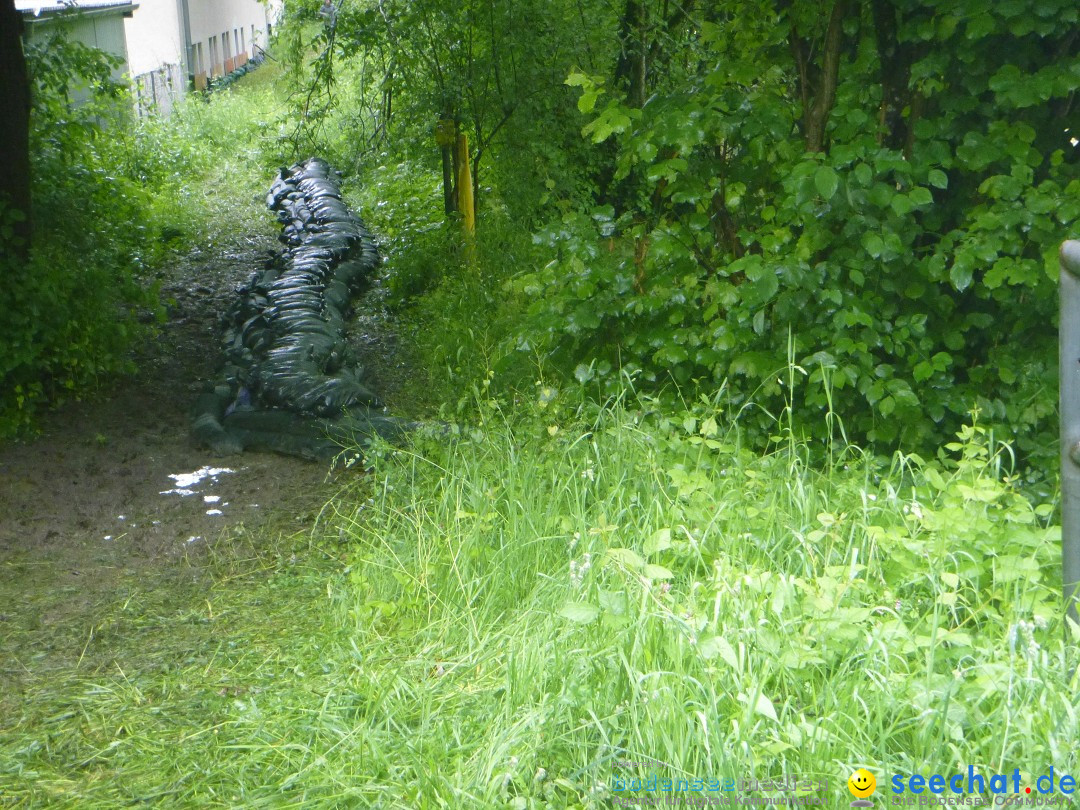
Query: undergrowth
x,y
114,200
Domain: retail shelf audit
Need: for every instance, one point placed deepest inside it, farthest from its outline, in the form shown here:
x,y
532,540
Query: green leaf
x,y
757,293
762,706
586,102
718,646
660,540
960,276
580,612
921,196
611,120
657,572
826,180
873,244
901,205
626,557
937,178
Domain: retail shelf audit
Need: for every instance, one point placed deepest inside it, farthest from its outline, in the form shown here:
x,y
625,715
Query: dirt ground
x,y
90,503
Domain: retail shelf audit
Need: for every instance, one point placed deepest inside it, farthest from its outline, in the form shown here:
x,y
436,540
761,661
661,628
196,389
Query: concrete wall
x,y
224,35
155,37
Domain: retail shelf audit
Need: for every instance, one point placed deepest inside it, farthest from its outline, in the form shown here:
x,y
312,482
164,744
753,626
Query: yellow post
x,y
464,186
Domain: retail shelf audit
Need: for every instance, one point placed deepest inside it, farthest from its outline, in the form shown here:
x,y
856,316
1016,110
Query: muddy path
x,y
95,507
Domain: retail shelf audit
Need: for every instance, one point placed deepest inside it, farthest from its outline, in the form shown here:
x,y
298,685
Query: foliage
x,y
910,256
879,188
380,76
70,310
117,197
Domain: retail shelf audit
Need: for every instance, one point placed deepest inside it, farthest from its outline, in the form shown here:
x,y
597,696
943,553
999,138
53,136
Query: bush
x,y
70,309
114,198
908,261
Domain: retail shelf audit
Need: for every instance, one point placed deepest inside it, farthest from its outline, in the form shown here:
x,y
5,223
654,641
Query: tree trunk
x,y
817,83
631,65
895,62
15,132
446,135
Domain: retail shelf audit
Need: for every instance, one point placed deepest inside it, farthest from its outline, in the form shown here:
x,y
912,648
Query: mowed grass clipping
x,y
507,615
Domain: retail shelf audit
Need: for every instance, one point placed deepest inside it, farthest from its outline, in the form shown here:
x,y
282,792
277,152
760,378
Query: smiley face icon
x,y
862,784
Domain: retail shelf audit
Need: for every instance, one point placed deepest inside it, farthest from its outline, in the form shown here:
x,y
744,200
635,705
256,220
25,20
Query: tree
x,y
874,192
15,133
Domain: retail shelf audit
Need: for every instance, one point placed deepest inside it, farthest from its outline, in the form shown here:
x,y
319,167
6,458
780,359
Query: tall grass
x,y
541,601
557,598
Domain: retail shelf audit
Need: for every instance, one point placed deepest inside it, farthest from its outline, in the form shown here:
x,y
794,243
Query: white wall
x,y
211,19
155,41
155,36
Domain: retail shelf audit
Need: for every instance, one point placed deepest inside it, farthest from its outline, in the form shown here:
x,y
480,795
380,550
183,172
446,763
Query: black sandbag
x,y
284,338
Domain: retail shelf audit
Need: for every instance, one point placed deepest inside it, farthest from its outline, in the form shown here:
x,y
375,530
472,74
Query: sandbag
x,y
291,384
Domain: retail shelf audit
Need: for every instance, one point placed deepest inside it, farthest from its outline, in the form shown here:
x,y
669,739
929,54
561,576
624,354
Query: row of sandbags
x,y
221,82
285,342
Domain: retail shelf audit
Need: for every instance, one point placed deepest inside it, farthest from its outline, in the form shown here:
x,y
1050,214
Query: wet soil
x,y
82,510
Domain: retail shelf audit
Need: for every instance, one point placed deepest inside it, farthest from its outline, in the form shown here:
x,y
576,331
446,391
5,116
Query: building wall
x,y
101,30
224,35
104,31
155,36
151,43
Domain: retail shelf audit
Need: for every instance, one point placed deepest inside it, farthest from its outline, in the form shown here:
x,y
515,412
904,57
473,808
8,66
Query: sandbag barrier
x,y
221,82
290,383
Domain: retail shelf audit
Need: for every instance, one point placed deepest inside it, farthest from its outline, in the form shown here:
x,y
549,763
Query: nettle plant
x,y
885,187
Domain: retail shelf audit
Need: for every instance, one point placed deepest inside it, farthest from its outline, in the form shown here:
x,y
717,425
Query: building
x,y
156,42
227,33
96,23
174,44
167,46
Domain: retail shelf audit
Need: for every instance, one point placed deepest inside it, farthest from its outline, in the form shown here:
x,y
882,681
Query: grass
x,y
186,693
565,592
509,616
